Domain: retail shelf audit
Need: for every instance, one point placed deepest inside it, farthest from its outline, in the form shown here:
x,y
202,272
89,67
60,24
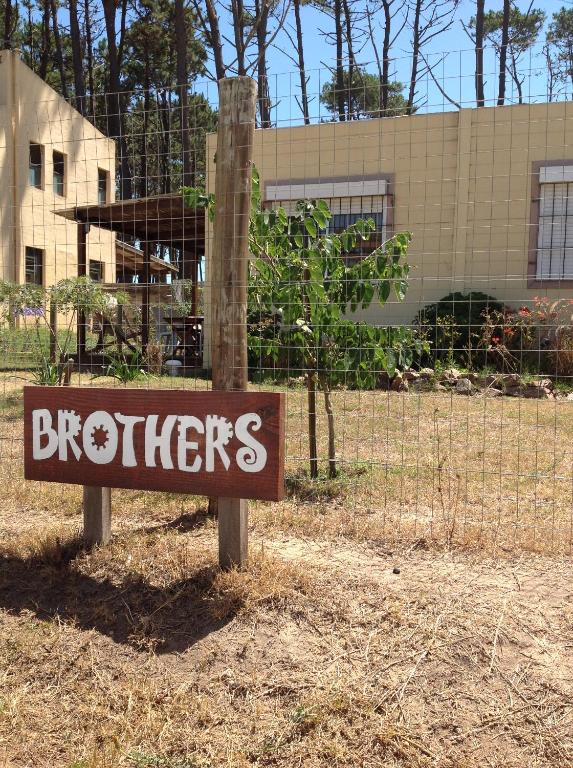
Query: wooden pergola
x,y
163,219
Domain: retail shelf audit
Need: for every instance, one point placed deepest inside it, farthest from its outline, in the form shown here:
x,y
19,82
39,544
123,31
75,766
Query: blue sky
x,y
455,70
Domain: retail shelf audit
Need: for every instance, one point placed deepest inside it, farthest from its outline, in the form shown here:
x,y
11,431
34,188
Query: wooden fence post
x,y
54,358
235,134
97,515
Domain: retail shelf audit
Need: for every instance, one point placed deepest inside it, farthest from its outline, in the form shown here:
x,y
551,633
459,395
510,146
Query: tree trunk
x,y
339,77
77,58
264,102
89,55
516,80
59,51
239,34
301,67
46,39
114,100
385,59
503,53
182,77
214,35
8,24
312,445
332,472
480,10
352,100
415,57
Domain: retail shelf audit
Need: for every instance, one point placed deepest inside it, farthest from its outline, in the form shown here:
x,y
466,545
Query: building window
x,y
102,186
34,266
59,173
348,201
347,211
555,233
96,271
35,165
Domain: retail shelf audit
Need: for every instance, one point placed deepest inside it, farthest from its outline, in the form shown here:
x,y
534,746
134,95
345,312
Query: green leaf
x,y
311,227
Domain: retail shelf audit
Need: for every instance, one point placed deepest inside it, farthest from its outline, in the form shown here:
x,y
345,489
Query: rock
x,y
396,570
427,373
570,396
399,383
464,387
476,379
491,392
450,374
545,384
495,381
422,385
384,380
411,375
533,390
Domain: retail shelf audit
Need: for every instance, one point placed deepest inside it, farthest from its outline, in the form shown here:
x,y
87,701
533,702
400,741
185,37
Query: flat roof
x,y
161,219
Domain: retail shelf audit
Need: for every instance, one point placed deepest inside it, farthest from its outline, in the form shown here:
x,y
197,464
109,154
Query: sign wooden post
x,y
229,275
97,515
97,501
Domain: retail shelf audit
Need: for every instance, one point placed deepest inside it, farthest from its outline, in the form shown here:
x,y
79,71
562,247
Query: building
x,y
484,192
50,158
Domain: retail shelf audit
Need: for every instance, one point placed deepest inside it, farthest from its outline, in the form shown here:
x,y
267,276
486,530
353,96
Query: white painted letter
x,y
253,457
224,430
69,427
162,441
184,445
127,448
42,425
100,437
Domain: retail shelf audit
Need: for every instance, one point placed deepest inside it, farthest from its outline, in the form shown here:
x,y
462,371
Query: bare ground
x,y
320,653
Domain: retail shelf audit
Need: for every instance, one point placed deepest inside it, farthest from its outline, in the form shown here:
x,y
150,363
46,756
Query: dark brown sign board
x,y
226,444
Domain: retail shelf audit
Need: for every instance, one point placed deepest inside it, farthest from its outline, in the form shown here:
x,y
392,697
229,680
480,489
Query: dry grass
x,y
318,654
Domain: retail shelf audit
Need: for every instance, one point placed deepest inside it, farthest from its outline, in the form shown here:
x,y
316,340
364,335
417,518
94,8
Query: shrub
x,y
540,337
453,326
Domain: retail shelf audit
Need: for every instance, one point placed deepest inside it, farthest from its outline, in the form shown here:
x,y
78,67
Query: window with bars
x,y
59,162
96,271
348,200
348,210
102,186
34,266
555,234
35,165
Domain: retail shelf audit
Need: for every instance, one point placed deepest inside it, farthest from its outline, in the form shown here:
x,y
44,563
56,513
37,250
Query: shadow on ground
x,y
132,612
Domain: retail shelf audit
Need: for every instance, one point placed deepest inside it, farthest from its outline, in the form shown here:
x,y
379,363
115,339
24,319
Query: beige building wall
x,y
461,182
31,111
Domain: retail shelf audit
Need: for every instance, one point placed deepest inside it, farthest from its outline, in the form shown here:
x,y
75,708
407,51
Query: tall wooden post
x,y
235,133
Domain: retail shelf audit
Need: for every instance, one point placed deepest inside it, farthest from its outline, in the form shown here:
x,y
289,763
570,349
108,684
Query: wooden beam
x,y
97,516
145,298
235,134
83,230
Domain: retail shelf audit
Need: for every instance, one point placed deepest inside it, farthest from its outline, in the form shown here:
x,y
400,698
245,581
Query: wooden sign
x,y
228,444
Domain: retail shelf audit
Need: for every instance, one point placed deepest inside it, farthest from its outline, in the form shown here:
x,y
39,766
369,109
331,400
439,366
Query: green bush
x,y
453,327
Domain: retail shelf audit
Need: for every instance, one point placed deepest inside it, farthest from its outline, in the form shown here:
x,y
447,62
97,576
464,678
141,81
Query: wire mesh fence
x,y
409,289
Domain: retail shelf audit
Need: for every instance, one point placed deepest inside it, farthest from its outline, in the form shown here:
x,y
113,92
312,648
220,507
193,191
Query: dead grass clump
x,y
300,487
267,583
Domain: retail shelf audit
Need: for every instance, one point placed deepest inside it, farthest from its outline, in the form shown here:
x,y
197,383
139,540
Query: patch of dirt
x,y
319,654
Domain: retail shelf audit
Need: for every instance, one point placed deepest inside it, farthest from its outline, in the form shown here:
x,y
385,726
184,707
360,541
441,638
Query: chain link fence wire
x,y
411,290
